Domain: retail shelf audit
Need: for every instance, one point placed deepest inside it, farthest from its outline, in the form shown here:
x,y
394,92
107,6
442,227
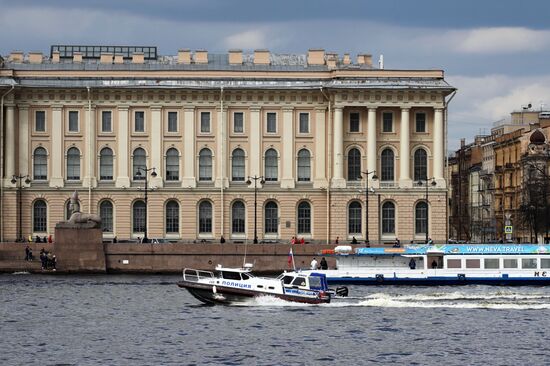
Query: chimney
x,y
35,57
235,57
17,56
261,57
138,58
77,57
119,59
55,57
347,59
201,56
368,60
360,59
316,56
332,59
462,143
184,56
106,58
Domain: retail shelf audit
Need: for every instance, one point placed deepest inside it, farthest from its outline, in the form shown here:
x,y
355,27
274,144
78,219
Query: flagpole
x,y
293,263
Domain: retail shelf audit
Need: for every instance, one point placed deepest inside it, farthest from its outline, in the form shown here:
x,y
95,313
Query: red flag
x,y
290,257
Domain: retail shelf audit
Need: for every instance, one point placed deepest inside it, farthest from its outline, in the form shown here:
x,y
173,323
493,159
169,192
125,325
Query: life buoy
x,y
379,278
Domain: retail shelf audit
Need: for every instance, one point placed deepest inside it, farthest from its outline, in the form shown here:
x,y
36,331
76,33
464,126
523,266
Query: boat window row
x,y
499,263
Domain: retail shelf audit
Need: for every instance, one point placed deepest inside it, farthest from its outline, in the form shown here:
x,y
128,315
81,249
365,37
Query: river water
x,y
148,320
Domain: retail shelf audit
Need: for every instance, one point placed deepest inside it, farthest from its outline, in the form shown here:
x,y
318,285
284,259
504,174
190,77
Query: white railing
x,y
194,275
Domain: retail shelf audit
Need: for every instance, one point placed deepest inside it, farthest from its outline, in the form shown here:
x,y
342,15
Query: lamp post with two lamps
x,y
374,177
146,170
17,179
427,182
249,182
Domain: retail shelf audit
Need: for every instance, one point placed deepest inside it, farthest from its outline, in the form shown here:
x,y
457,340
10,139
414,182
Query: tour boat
x,y
448,264
237,285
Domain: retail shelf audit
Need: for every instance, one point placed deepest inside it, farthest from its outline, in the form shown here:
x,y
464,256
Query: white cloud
x,y
251,39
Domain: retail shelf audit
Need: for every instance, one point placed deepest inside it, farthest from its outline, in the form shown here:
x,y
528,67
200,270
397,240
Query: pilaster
x,y
89,154
57,154
221,150
371,141
404,149
320,180
156,146
9,145
438,147
123,179
23,134
189,180
338,180
287,180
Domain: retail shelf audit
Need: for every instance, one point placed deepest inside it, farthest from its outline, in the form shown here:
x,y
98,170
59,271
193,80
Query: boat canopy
x,y
463,249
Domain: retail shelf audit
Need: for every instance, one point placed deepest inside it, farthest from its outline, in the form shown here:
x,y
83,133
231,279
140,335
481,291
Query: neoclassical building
x,y
312,127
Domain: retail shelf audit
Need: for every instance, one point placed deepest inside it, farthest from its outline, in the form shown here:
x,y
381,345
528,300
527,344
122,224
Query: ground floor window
x,y
354,218
304,218
40,217
205,217
172,217
106,214
271,218
138,223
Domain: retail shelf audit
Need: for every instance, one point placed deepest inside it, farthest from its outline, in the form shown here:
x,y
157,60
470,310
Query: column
x,y
221,149
338,180
438,153
288,149
404,151
156,146
24,142
122,157
189,180
89,154
320,180
57,155
10,145
371,142
255,153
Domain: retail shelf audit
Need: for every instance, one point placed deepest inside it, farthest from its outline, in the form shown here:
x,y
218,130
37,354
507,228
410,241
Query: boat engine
x,y
342,291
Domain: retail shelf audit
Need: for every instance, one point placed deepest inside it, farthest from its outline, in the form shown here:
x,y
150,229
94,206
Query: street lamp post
x,y
153,174
374,177
17,179
433,184
249,182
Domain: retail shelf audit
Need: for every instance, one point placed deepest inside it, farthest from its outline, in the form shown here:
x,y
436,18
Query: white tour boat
x,y
236,285
448,264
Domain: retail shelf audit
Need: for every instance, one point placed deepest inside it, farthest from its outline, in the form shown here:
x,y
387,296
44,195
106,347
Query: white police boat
x,y
447,264
237,285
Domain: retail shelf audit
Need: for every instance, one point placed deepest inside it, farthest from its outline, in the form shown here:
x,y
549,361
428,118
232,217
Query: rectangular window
x,y
40,121
106,124
172,121
387,122
473,263
139,121
510,263
73,121
454,263
304,122
354,122
421,122
271,122
529,263
544,263
238,122
205,122
491,263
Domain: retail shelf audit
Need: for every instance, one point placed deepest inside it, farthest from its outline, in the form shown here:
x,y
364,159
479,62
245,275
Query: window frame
x,y
102,166
356,167
303,222
135,166
234,177
300,168
270,178
171,221
419,220
135,217
350,130
105,219
72,165
416,114
235,113
201,125
205,221
135,129
383,124
300,114
269,221
355,223
238,224
42,225
42,164
275,122
385,170
103,114
388,223
70,113
168,163
169,124
36,112
202,168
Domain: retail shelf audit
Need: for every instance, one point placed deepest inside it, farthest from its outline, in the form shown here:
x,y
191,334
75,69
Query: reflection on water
x,y
123,319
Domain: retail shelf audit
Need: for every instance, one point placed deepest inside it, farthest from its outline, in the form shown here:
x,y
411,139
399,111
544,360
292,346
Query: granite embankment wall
x,y
172,258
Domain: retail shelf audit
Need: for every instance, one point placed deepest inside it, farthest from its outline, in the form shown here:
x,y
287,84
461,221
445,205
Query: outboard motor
x,y
342,291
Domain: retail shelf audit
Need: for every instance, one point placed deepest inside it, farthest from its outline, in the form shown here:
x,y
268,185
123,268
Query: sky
x,y
495,52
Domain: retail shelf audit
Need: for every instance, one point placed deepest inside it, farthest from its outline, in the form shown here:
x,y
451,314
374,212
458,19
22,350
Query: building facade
x,y
310,127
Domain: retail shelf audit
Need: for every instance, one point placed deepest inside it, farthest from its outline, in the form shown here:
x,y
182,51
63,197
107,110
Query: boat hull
x,y
221,295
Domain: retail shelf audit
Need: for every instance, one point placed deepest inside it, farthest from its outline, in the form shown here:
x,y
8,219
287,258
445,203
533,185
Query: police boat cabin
x,y
490,264
237,285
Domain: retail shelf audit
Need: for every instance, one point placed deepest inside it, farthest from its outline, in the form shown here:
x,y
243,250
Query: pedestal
x,y
79,250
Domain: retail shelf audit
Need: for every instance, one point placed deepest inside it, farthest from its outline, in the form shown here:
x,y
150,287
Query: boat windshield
x,y
287,280
299,281
228,275
315,282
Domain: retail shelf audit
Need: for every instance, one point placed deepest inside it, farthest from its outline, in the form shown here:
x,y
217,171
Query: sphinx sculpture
x,y
79,219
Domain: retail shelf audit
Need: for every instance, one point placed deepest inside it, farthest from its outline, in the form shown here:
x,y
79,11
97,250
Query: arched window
x,y
354,218
172,164
106,214
73,164
271,166
138,211
354,164
388,218
40,217
172,217
387,165
421,218
40,164
205,165
271,218
205,217
304,218
106,164
237,165
237,217
139,163
420,165
304,166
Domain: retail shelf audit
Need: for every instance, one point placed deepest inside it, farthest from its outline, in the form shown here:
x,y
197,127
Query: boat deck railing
x,y
194,275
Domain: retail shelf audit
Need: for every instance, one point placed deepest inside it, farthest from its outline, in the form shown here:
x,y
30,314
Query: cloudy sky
x,y
496,52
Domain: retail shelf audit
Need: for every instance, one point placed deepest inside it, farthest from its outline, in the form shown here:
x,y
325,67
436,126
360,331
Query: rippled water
x,y
148,320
